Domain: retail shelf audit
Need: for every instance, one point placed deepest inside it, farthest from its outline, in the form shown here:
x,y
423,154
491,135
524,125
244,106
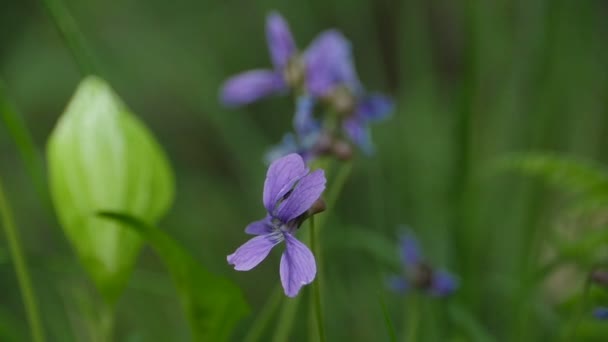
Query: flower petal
x,y
303,121
411,255
329,63
280,41
358,132
250,86
261,227
303,195
443,284
298,266
375,107
280,178
252,252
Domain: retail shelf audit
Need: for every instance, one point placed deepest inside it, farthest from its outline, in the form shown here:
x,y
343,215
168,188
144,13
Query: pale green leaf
x,y
101,157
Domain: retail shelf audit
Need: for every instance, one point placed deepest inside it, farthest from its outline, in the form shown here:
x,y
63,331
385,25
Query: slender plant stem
x,y
412,319
316,285
290,307
387,319
25,144
71,34
23,277
257,328
286,319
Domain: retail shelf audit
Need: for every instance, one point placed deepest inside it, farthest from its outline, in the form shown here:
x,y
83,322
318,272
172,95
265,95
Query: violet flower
x,y
331,76
601,313
252,85
419,274
290,191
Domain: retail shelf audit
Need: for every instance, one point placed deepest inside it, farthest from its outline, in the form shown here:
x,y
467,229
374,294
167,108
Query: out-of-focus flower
x,y
252,85
291,194
419,274
601,313
323,77
331,77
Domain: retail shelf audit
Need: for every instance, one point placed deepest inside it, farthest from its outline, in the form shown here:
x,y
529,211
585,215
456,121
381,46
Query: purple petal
x,y
358,132
601,313
374,107
281,177
280,41
329,64
250,86
298,266
443,284
304,122
261,227
252,252
397,284
411,255
303,195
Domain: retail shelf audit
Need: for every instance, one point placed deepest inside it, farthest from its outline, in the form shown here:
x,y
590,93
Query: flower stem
x,y
23,277
387,319
272,305
412,319
316,285
71,34
286,319
290,306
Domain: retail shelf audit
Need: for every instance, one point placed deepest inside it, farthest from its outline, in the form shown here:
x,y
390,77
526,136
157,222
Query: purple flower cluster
x,y
290,191
322,76
418,274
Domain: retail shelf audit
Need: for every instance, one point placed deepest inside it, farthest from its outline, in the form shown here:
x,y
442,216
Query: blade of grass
x,y
22,137
23,277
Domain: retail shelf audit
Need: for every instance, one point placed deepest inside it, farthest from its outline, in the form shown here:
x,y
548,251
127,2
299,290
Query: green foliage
x,y
567,173
213,304
101,157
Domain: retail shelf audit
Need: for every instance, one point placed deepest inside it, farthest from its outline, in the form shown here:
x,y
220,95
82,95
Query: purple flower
x,y
250,86
419,274
329,64
370,109
290,190
601,313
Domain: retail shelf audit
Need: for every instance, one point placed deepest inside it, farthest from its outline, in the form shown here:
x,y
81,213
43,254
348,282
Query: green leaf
x,y
101,157
567,173
213,304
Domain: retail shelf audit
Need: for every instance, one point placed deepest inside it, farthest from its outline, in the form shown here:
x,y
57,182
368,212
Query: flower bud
x,y
342,150
318,207
342,100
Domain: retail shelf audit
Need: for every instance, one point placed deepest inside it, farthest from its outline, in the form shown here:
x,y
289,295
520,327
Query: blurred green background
x,y
473,80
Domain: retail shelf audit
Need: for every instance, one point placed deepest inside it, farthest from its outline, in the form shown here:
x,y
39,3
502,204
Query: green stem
x,y
73,38
286,319
23,277
412,320
25,144
387,319
272,305
290,306
316,285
